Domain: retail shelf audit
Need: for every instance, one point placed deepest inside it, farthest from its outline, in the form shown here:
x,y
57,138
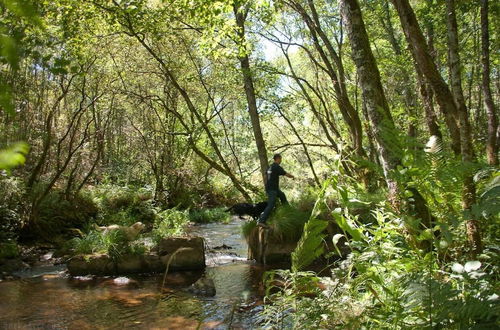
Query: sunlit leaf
x,y
472,265
457,268
13,156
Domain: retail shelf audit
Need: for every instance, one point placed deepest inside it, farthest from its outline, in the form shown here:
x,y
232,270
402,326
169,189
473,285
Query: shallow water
x,y
49,299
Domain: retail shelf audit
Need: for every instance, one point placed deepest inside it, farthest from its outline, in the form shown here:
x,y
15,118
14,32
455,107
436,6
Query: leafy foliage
x,y
386,283
170,222
114,243
310,245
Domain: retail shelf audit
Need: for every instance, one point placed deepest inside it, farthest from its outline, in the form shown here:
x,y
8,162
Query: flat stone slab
x,y
182,253
178,253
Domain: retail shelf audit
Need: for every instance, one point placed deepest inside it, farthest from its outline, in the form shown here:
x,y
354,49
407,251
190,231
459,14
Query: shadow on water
x,y
51,300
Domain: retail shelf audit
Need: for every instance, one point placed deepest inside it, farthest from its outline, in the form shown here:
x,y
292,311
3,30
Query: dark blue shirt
x,y
273,176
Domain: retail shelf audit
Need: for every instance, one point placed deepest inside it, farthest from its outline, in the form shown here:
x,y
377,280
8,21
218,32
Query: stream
x,y
46,297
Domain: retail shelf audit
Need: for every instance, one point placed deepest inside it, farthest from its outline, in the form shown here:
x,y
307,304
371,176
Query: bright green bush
x,y
123,205
287,223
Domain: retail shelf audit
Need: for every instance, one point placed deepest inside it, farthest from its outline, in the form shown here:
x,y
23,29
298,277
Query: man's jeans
x,y
272,195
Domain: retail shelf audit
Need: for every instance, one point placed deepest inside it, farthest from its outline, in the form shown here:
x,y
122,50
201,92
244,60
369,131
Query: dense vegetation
x,y
114,112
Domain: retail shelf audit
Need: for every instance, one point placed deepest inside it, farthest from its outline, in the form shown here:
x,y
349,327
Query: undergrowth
x,y
387,279
217,214
114,243
170,222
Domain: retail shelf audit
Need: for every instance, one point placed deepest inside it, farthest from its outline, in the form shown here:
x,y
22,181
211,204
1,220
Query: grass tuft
x,y
209,215
286,224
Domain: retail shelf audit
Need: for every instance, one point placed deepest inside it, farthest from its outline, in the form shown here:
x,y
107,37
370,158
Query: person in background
x,y
273,188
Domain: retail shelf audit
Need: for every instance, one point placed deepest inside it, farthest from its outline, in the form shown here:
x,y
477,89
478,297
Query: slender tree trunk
x,y
455,114
335,69
422,57
241,14
373,94
382,124
408,85
426,90
430,114
491,144
304,146
469,188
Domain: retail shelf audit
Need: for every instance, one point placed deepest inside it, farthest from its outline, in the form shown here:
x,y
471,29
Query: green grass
x,y
247,227
286,224
113,243
209,215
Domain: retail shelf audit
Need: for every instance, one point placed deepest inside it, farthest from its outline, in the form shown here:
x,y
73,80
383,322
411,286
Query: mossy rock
x,y
95,264
179,253
182,253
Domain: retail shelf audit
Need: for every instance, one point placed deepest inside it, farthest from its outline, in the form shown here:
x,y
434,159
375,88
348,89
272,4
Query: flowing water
x,y
47,298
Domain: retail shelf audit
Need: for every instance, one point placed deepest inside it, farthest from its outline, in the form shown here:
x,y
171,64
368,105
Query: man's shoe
x,y
263,225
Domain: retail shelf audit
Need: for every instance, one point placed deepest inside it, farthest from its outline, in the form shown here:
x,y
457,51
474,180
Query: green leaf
x,y
310,245
342,222
13,156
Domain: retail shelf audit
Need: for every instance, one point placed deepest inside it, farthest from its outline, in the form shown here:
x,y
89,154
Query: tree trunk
x,y
304,146
455,114
430,114
422,57
376,104
426,91
469,189
491,144
250,93
407,84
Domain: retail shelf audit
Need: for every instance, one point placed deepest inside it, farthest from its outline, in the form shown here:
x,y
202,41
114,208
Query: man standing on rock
x,y
273,188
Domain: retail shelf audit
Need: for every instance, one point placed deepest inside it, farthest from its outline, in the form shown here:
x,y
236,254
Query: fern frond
x,y
310,245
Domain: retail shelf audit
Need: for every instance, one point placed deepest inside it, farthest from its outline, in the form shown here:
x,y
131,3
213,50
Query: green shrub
x,y
209,215
124,205
57,215
114,243
170,222
387,283
287,223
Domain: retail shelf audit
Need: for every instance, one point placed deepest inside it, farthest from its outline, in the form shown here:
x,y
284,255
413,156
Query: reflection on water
x,y
58,302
